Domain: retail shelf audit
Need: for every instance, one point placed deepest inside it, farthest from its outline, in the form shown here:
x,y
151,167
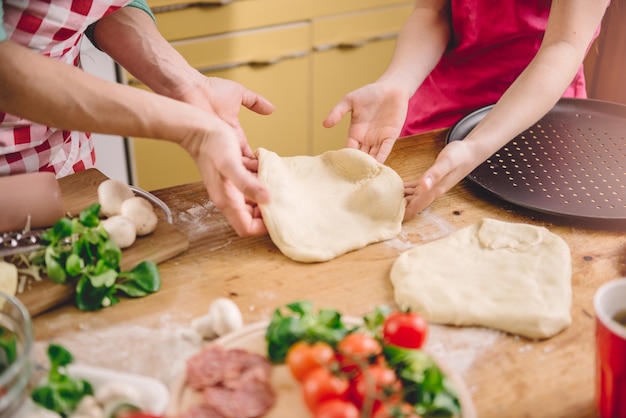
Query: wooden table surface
x,y
508,376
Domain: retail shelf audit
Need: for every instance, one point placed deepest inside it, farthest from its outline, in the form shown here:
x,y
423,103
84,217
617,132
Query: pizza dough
x,y
326,205
510,276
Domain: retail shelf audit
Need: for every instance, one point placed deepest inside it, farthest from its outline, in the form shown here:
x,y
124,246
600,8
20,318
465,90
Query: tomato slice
x,y
321,385
303,357
405,329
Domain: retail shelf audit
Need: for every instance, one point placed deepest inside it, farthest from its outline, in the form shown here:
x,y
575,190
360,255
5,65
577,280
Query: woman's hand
x,y
378,113
224,98
225,160
229,176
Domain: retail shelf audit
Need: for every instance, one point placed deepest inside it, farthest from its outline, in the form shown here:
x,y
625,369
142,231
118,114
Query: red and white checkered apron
x,y
53,28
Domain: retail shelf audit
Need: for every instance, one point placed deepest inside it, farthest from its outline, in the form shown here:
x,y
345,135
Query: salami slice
x,y
234,383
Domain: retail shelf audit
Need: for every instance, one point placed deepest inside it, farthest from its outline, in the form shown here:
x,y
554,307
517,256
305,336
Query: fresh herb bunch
x,y
424,386
61,393
296,322
79,251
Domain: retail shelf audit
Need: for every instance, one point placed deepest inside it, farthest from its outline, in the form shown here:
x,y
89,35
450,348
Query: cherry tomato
x,y
356,350
395,409
321,385
336,408
303,357
405,329
374,385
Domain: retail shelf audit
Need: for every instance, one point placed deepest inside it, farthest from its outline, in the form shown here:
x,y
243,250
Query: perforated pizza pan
x,y
571,163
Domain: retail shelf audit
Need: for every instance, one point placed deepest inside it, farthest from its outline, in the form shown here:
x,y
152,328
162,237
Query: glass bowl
x,y
16,344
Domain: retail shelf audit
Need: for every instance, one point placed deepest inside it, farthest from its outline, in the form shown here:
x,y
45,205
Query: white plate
x,y
155,395
289,400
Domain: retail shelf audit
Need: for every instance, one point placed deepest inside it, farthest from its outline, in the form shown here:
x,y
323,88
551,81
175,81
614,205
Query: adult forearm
x,y
55,94
131,38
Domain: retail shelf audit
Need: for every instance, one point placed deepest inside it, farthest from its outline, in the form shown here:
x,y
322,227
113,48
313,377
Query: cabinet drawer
x,y
210,17
198,21
253,47
319,7
358,28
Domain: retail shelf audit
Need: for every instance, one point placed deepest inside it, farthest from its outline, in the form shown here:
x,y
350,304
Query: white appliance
x,y
112,156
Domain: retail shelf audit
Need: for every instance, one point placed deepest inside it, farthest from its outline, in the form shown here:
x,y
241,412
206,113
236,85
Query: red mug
x,y
610,307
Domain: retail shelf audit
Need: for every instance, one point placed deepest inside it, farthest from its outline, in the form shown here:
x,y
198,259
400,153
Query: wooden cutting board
x,y
78,192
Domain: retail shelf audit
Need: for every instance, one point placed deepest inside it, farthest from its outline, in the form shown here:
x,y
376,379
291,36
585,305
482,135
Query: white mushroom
x,y
121,230
203,325
111,194
226,316
141,212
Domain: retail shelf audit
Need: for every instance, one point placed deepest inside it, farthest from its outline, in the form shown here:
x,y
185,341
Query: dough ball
x,y
121,230
324,206
111,194
141,212
512,277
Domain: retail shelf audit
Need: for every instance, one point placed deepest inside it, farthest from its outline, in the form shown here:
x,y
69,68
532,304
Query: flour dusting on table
x,y
155,352
426,226
199,223
458,348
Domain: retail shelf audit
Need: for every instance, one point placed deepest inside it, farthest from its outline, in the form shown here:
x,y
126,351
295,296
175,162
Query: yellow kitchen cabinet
x,y
350,51
280,72
191,20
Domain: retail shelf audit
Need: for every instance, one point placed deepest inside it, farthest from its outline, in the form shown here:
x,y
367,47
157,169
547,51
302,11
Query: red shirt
x,y
491,44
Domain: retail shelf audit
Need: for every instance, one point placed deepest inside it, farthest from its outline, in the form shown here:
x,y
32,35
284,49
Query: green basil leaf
x,y
90,298
59,356
74,265
110,253
131,289
60,230
104,279
54,268
90,216
144,276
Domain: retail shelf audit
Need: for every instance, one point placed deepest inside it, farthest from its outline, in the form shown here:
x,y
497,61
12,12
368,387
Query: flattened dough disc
x,y
326,205
509,276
